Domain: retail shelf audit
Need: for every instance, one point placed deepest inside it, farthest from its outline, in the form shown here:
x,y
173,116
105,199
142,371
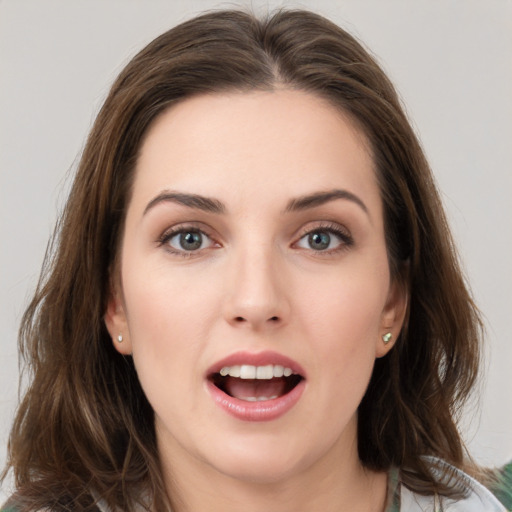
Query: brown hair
x,y
84,423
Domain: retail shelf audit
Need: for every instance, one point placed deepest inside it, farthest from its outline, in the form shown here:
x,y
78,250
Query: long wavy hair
x,y
84,423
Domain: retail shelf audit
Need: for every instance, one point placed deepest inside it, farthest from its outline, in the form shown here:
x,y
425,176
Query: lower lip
x,y
266,410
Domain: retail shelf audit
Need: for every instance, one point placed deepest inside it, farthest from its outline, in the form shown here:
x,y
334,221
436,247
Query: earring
x,y
386,338
120,338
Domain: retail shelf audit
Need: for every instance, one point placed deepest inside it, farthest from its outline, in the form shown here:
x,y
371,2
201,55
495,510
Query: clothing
x,y
497,498
478,498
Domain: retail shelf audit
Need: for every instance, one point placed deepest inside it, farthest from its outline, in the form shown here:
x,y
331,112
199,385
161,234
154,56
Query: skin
x,y
257,284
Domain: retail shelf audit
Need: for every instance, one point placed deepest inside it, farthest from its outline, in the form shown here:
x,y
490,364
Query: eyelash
x,y
346,240
167,236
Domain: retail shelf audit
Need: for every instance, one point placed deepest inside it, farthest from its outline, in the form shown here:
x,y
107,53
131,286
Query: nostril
x,y
256,320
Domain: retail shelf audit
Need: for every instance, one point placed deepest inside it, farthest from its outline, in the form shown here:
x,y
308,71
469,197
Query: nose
x,y
257,297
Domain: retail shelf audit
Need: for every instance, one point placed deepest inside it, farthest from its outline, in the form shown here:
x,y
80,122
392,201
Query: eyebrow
x,y
320,198
211,205
190,200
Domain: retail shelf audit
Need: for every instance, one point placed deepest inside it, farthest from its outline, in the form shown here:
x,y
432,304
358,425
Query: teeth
x,y
247,371
232,371
264,372
235,371
259,398
278,370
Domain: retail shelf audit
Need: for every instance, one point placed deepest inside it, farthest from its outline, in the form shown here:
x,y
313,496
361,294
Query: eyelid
x,y
170,232
336,228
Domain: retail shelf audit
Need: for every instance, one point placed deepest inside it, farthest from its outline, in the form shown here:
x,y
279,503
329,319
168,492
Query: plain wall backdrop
x,y
450,60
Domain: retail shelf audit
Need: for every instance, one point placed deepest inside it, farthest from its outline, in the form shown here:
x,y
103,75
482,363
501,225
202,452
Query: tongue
x,y
245,389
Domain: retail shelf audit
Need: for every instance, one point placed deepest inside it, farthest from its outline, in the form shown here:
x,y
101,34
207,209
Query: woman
x,y
254,300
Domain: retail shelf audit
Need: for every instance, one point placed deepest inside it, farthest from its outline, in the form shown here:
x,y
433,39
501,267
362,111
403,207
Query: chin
x,y
260,472
263,465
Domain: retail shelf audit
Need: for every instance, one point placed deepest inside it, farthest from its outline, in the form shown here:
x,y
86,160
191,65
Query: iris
x,y
191,240
319,240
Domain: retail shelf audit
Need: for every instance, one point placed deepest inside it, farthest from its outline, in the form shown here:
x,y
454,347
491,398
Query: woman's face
x,y
254,287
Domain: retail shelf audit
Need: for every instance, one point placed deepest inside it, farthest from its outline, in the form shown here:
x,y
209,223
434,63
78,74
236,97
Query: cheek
x,y
170,314
341,321
162,300
166,340
158,316
343,317
347,304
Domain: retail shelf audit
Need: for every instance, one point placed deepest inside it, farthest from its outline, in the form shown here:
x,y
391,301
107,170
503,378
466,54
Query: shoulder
x,y
9,506
502,485
477,497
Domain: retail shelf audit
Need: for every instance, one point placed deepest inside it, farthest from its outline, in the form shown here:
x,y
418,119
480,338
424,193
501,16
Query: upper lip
x,y
257,359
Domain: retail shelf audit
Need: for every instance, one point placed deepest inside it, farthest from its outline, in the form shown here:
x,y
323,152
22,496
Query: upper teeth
x,y
247,371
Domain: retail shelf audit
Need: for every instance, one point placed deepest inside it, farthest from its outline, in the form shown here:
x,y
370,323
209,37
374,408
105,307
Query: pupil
x,y
190,241
319,241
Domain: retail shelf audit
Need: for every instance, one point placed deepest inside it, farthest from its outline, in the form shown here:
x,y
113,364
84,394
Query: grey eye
x,y
320,240
189,240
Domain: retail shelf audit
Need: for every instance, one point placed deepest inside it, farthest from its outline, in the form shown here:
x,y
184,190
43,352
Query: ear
x,y
115,321
393,316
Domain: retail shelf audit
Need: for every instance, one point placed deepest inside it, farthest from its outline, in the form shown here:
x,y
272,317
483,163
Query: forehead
x,y
259,141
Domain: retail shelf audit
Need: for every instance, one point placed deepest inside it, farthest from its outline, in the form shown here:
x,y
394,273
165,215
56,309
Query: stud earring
x,y
120,338
386,338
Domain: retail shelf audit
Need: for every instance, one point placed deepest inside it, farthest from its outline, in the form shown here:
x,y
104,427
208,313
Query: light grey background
x,y
451,61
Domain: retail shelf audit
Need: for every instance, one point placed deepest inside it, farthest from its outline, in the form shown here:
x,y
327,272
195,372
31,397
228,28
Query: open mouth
x,y
256,383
